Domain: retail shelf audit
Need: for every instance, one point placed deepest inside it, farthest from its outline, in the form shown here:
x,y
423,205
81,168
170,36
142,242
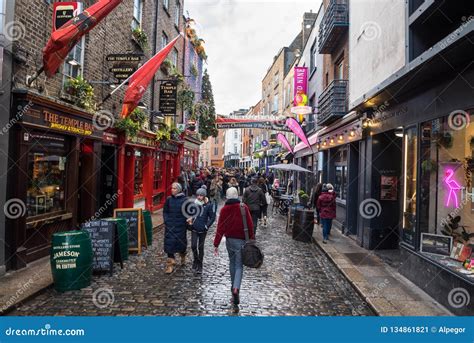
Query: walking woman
x,y
327,208
175,227
262,183
215,191
200,224
231,226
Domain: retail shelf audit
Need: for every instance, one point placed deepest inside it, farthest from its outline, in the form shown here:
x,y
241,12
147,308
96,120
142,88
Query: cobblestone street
x,y
297,279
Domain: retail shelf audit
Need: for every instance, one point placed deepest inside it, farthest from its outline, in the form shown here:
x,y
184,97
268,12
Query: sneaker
x,y
325,241
265,221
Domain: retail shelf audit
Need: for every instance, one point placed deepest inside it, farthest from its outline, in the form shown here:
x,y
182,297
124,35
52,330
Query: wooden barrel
x,y
303,225
122,232
148,227
71,260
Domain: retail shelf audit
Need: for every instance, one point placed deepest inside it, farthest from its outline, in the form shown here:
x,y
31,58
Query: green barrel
x,y
122,230
148,227
71,260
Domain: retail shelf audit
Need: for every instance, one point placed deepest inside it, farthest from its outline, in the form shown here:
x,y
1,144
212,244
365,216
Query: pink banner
x,y
281,137
297,130
301,80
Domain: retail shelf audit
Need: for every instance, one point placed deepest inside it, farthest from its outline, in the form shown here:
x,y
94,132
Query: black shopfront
x,y
54,164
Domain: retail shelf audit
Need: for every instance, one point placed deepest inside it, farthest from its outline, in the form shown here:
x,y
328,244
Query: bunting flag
x,y
140,80
62,41
283,140
294,126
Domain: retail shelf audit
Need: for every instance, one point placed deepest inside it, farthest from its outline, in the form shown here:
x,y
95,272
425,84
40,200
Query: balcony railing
x,y
333,102
335,22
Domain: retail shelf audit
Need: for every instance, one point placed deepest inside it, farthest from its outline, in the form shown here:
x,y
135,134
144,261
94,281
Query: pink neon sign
x,y
452,186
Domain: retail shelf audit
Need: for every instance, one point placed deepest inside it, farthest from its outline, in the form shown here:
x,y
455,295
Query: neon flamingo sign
x,y
453,186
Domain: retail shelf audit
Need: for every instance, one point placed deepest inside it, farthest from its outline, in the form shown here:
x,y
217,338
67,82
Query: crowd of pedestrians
x,y
246,194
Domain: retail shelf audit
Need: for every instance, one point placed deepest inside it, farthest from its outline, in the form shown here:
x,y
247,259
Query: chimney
x,y
308,21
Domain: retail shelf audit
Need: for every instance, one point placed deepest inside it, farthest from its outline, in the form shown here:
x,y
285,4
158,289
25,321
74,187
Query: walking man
x,y
254,199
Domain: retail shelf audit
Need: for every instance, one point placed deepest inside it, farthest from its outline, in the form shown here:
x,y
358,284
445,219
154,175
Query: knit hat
x,y
178,187
232,193
204,187
201,191
330,187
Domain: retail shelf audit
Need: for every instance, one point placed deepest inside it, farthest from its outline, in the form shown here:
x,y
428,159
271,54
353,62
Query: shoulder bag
x,y
252,255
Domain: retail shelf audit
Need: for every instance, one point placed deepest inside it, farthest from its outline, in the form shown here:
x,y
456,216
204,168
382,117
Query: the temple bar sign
x,y
168,95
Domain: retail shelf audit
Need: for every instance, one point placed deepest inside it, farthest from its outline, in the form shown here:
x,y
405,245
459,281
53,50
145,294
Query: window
x,y
236,135
157,175
164,40
137,14
2,16
410,158
138,184
235,149
166,4
175,57
339,70
47,159
216,140
276,78
275,103
75,61
314,54
341,179
177,14
216,151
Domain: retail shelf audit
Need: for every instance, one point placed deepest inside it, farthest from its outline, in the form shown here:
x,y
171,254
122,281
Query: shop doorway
x,y
108,180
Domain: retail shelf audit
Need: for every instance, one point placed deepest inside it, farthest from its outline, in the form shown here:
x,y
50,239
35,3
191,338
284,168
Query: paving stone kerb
x,y
297,279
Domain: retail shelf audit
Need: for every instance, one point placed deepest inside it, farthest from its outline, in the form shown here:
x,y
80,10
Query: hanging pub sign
x,y
168,95
65,11
169,147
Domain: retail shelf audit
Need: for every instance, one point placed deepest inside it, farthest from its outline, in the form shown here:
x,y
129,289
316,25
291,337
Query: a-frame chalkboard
x,y
136,229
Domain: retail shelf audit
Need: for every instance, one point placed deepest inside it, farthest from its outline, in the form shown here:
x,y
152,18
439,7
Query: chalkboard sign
x,y
136,229
103,237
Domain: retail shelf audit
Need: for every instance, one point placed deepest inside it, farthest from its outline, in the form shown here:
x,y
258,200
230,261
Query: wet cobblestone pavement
x,y
297,279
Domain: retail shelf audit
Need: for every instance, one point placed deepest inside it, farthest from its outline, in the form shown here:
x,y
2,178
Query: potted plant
x,y
429,166
304,199
128,125
139,36
82,93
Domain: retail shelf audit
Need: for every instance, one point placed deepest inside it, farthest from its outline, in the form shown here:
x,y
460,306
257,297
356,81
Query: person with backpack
x,y
199,225
327,209
231,226
254,199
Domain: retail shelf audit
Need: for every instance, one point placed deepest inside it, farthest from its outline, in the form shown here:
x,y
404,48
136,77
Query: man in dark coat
x,y
254,198
175,227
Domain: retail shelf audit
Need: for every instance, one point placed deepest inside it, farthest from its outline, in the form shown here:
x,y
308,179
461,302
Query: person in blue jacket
x,y
200,224
175,227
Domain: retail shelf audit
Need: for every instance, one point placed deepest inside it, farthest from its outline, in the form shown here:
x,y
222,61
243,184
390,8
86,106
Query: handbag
x,y
268,197
252,255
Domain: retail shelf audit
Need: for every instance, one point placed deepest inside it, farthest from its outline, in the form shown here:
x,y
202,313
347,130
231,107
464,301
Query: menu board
x,y
102,234
136,230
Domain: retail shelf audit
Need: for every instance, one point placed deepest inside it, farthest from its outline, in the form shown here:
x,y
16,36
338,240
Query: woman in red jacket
x,y
231,226
327,209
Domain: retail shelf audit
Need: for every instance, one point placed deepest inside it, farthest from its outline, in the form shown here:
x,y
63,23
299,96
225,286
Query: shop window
x,y
138,184
340,175
410,160
446,202
158,172
46,175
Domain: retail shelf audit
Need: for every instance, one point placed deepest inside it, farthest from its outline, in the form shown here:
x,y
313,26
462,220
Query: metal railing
x,y
333,102
334,23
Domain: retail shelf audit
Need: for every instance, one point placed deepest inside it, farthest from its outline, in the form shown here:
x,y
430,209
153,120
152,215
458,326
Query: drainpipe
x,y
155,37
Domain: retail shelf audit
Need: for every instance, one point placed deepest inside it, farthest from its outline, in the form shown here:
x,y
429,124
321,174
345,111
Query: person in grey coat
x,y
254,198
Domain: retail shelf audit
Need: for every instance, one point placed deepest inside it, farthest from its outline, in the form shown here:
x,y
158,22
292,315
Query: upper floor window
x,y
275,103
175,57
164,40
75,61
2,16
137,14
177,14
216,140
339,70
314,54
166,4
236,135
276,78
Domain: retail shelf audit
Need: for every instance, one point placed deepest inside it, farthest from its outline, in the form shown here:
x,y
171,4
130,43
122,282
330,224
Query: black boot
x,y
199,267
235,296
195,265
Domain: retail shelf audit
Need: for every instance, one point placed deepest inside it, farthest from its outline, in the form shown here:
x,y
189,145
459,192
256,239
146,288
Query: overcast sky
x,y
242,37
